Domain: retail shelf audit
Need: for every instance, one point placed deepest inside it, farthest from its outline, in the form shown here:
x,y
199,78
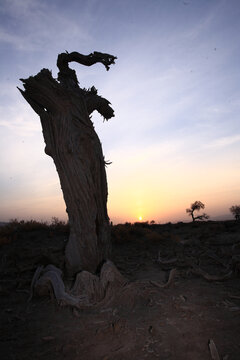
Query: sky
x,y
175,89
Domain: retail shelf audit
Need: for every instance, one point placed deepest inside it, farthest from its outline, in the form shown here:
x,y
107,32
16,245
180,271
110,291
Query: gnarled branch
x,y
68,76
87,60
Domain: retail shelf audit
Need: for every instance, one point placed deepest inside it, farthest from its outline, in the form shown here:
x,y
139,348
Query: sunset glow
x,y
174,89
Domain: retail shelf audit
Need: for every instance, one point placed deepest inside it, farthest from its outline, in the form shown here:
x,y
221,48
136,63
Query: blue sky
x,y
175,90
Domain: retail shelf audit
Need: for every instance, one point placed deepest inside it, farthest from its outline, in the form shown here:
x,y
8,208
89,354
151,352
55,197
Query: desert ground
x,y
181,299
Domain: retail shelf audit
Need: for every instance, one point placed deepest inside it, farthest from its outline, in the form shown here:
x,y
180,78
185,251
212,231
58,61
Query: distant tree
x,y
196,206
235,210
152,222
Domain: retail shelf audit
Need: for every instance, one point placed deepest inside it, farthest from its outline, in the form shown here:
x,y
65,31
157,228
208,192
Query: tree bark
x,y
72,142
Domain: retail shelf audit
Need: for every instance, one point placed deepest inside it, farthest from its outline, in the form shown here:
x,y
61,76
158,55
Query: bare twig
x,y
213,350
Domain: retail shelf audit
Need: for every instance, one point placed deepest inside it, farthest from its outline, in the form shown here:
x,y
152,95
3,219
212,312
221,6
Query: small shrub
x,y
59,225
26,225
153,236
235,210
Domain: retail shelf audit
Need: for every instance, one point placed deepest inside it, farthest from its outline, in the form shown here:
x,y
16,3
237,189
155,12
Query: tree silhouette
x,y
196,206
64,109
235,210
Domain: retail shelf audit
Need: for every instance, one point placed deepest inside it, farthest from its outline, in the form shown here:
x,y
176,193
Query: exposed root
x,y
88,289
34,280
213,350
209,277
162,261
50,281
172,275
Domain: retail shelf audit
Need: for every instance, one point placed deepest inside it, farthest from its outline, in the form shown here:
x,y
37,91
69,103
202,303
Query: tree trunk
x,y
73,144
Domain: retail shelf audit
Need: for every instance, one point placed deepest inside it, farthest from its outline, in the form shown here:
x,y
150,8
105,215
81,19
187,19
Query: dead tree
x,y
64,109
196,206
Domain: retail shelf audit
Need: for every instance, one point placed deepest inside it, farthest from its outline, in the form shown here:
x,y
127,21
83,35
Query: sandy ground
x,y
146,322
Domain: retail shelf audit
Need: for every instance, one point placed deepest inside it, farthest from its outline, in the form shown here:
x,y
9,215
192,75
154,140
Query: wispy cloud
x,y
223,142
17,41
20,120
40,25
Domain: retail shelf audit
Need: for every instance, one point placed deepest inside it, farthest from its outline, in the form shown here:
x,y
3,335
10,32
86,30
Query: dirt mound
x,y
157,313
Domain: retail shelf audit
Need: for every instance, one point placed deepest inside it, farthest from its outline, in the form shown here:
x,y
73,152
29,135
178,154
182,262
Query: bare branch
x,y
87,60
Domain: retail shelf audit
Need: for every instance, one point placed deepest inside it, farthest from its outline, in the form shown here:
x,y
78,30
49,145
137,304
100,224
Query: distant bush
x,y
154,236
11,230
27,225
139,231
59,225
141,224
235,210
129,232
121,233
